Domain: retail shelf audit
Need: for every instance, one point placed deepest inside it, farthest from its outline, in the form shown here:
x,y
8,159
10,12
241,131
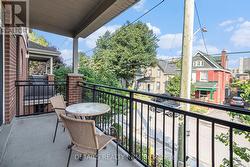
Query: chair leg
x,y
97,158
55,131
70,151
117,153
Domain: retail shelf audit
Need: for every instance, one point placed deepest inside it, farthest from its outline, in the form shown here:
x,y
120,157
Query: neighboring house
x,y
244,65
235,71
154,79
43,56
243,77
211,77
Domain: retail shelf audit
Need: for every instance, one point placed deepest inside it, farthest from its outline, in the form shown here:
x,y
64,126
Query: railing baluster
x,y
94,93
29,98
24,111
213,150
231,146
135,126
122,119
197,142
163,147
184,142
18,99
131,126
44,99
148,124
173,139
141,128
127,125
155,136
118,118
109,117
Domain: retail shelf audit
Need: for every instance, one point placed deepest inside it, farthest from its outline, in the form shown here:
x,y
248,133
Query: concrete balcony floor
x,y
29,144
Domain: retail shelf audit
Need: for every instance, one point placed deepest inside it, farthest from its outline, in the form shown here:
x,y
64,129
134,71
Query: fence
x,y
162,134
32,97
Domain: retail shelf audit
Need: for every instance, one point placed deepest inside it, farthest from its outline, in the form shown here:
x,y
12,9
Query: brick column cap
x,y
75,75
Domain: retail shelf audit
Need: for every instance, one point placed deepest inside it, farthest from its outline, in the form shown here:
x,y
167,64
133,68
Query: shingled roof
x,y
215,60
167,66
33,45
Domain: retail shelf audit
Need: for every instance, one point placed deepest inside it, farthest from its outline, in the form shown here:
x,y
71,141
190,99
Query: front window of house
x,y
158,85
150,72
204,76
198,63
158,73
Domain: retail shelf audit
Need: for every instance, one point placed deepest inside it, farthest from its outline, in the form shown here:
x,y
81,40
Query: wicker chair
x,y
84,138
59,106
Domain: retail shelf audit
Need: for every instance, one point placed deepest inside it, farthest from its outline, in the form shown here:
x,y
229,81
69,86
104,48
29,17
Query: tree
x,y
126,51
174,86
96,75
241,153
61,73
34,37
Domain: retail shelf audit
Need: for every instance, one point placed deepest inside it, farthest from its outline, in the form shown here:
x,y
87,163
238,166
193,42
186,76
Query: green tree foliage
x,y
34,37
97,74
241,153
61,73
126,51
174,86
244,87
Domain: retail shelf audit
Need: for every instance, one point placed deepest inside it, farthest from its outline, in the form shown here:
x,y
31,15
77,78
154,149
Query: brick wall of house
x,y
10,77
15,69
22,70
74,91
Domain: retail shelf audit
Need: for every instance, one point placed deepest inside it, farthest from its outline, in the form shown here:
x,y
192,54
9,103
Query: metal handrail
x,y
200,103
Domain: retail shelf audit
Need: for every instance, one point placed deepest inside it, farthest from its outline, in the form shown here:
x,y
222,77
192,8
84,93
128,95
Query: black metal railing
x,y
32,97
158,134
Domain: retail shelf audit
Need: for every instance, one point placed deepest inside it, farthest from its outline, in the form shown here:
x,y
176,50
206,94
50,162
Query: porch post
x,y
75,55
46,68
51,66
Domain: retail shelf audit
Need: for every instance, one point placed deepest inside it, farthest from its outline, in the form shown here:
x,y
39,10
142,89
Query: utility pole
x,y
187,51
186,74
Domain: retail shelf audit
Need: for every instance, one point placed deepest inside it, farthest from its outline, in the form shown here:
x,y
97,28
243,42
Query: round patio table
x,y
88,109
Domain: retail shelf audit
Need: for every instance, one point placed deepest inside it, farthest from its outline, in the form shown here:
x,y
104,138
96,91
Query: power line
x,y
199,21
232,53
137,19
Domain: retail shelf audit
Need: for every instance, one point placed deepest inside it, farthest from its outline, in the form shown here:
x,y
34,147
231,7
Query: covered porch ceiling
x,y
74,18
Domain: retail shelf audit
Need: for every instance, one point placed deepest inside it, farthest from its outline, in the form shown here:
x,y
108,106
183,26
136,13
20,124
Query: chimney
x,y
224,59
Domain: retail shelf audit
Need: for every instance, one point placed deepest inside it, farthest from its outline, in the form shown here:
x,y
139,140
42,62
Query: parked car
x,y
237,101
167,103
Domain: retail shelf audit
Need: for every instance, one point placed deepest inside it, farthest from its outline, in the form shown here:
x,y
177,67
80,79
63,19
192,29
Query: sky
x,y
227,23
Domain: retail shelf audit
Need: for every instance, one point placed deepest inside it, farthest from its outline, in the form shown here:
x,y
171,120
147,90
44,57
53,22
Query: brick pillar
x,y
50,77
74,91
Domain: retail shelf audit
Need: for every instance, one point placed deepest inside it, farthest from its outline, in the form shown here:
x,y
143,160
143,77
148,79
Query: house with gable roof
x,y
211,77
155,79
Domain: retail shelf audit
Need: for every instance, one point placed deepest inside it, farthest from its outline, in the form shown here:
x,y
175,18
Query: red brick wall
x,y
22,70
10,77
198,75
74,92
15,68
